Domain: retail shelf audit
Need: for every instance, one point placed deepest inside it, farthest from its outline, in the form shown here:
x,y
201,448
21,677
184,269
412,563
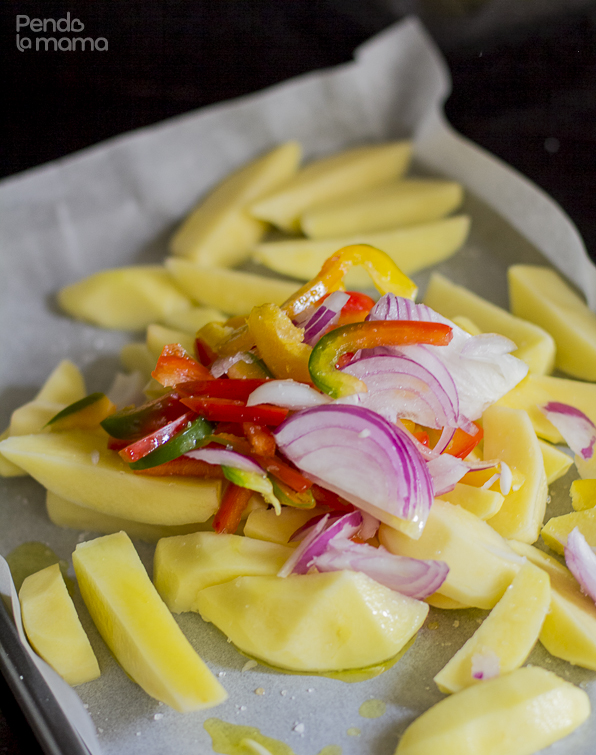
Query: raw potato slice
x,y
313,622
537,390
569,629
138,628
516,714
508,634
331,177
64,386
220,231
126,298
78,466
479,501
540,295
556,463
556,531
233,291
510,437
191,320
411,249
63,513
184,565
459,538
535,346
53,626
159,336
583,494
395,205
265,524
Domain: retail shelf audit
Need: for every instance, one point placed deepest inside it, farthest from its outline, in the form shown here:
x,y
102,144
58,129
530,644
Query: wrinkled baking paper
x,y
116,204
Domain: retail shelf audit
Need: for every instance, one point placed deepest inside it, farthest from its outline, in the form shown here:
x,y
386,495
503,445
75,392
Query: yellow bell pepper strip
x,y
366,335
386,275
280,343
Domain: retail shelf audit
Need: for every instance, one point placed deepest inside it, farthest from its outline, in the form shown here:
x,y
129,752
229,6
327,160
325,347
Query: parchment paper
x,y
116,204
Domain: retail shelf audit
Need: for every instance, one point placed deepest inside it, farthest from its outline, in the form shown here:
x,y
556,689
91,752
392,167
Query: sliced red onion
x,y
317,540
369,527
304,530
478,366
225,457
485,665
222,365
577,429
359,455
408,576
289,394
446,471
324,316
505,478
581,562
399,387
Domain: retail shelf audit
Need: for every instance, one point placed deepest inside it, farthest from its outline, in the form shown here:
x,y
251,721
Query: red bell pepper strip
x,y
238,390
134,423
235,499
227,410
175,365
366,335
355,309
284,472
184,466
140,448
260,438
205,353
462,442
325,497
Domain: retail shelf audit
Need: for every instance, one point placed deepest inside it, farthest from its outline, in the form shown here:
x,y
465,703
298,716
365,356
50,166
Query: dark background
x,y
524,87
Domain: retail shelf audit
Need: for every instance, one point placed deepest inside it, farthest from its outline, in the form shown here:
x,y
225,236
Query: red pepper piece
x,y
325,497
184,466
462,442
238,390
144,446
133,423
227,410
355,309
234,501
205,353
261,439
175,365
230,428
284,472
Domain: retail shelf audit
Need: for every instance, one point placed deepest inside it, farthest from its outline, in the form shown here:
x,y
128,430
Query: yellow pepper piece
x,y
280,343
386,275
214,334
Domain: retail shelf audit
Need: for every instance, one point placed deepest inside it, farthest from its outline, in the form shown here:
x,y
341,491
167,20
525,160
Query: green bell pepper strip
x,y
253,481
366,335
132,423
193,436
289,497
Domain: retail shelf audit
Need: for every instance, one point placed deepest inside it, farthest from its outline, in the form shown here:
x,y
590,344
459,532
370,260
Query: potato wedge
x,y
220,231
331,177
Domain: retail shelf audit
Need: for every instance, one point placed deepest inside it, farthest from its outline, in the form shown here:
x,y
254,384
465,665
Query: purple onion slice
x,y
581,562
324,316
408,576
317,539
577,429
359,455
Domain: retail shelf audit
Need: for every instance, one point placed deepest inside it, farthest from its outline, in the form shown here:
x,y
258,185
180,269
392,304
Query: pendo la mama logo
x,y
55,43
